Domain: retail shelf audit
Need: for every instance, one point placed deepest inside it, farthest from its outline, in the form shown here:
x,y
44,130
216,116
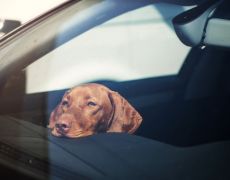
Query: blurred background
x,y
25,10
14,13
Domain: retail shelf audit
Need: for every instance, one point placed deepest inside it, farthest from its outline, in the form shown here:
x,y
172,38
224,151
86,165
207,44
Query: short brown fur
x,y
90,109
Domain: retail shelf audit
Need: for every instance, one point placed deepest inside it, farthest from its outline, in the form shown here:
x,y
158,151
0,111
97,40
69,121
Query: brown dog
x,y
93,108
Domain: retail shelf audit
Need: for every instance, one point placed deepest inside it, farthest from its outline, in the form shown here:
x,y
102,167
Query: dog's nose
x,y
62,127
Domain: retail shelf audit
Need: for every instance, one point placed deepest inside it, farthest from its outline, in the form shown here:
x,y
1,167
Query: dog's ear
x,y
125,118
55,112
52,119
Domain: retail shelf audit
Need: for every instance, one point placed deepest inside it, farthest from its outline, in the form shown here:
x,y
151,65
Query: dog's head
x,y
92,108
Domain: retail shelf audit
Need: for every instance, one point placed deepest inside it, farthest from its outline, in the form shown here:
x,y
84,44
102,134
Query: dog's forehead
x,y
88,91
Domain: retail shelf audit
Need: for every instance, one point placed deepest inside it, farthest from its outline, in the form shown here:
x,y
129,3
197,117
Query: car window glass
x,y
136,45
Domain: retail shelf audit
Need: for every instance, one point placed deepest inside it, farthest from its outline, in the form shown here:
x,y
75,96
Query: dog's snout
x,y
62,127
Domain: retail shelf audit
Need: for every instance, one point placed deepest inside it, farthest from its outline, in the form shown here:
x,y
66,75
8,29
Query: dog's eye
x,y
65,103
91,103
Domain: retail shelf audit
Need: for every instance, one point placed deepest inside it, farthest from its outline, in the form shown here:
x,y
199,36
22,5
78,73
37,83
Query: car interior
x,y
185,132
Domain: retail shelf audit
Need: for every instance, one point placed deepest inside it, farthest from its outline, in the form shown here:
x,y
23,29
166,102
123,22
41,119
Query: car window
x,y
135,45
136,54
178,95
